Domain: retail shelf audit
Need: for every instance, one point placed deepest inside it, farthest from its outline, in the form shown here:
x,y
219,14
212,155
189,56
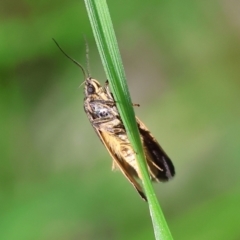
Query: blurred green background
x,y
182,60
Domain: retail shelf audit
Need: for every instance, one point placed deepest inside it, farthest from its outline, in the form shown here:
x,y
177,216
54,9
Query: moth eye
x,y
90,89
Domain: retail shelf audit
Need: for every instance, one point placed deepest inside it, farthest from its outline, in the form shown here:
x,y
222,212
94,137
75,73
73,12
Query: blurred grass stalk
x,y
103,31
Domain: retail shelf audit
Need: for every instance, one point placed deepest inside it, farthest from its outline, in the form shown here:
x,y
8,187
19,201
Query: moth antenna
x,y
87,56
81,84
73,60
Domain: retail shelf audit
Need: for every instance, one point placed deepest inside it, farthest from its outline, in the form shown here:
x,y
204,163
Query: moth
x,y
101,110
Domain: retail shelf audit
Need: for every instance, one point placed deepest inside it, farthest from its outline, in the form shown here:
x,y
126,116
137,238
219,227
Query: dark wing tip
x,y
162,166
142,194
169,170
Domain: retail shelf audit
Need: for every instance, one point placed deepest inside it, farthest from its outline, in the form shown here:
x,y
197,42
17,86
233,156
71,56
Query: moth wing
x,y
160,166
125,168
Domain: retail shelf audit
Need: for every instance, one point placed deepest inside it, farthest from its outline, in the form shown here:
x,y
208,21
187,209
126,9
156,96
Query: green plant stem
x,y
108,49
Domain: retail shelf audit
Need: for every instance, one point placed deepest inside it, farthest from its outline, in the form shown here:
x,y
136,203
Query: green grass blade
x,y
107,45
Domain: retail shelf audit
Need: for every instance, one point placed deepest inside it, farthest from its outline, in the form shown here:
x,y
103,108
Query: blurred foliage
x,y
182,61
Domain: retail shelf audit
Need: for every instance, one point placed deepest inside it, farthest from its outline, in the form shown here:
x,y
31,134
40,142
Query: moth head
x,y
92,86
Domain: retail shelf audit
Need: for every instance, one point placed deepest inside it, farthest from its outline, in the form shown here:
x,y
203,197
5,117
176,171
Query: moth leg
x,y
102,120
105,124
114,166
136,105
113,103
108,91
120,129
109,129
107,102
